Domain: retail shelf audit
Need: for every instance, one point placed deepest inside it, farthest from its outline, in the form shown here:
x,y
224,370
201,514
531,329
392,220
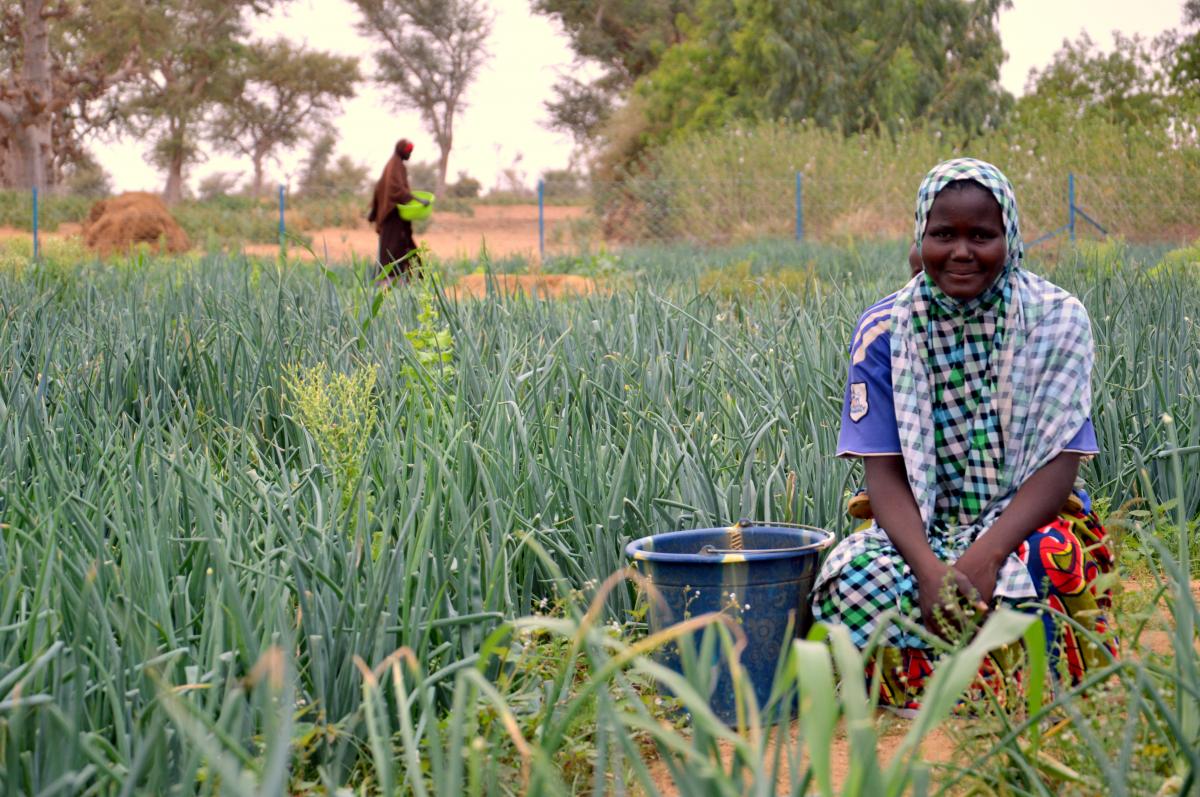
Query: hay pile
x,y
135,217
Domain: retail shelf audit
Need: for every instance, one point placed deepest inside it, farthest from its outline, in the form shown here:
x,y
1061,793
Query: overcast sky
x,y
503,125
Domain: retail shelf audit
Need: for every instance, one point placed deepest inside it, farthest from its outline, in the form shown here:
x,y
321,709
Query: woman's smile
x,y
963,248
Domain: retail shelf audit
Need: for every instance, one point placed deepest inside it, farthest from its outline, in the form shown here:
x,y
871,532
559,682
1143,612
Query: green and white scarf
x,y
1006,376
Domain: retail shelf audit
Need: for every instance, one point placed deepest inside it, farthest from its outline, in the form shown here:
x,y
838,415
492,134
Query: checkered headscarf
x,y
960,342
987,176
986,391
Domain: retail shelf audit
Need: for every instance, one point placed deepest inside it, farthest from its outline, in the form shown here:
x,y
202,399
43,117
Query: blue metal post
x,y
35,223
799,206
541,219
1071,204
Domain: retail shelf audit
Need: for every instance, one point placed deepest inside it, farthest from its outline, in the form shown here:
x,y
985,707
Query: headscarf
x,y
1005,378
392,189
958,341
987,176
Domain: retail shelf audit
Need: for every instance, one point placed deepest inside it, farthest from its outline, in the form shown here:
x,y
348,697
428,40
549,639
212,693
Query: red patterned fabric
x,y
1065,559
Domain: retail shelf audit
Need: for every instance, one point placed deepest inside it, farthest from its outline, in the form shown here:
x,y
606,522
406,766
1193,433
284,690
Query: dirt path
x,y
506,230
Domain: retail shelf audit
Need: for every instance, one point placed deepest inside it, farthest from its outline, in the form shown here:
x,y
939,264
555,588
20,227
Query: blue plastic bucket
x,y
762,576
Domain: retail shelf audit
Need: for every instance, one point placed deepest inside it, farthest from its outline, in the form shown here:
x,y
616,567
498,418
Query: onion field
x,y
265,530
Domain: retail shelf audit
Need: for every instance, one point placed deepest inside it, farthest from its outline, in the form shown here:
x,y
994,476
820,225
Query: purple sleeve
x,y
868,410
1084,441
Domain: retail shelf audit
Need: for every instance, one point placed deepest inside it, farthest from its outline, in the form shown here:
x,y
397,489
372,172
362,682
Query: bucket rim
x,y
636,551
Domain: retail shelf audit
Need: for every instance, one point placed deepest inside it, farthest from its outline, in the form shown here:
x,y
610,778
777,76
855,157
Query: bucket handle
x,y
735,538
709,549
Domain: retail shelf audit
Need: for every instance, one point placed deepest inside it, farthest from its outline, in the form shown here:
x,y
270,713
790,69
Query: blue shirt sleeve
x,y
868,410
1084,441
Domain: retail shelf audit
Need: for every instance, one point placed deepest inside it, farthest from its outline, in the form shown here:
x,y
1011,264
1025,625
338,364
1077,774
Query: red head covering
x,y
403,147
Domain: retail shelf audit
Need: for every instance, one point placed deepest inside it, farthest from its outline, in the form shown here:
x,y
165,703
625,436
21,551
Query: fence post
x,y
799,206
282,229
1071,204
541,219
35,223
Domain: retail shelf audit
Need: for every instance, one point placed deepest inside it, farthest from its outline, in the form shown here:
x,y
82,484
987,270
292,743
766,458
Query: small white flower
x,y
746,608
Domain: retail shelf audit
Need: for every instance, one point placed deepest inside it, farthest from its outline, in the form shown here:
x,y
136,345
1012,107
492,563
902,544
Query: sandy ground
x,y
505,230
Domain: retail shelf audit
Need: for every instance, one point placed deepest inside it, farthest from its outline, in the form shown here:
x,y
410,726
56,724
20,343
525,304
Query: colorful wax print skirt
x,y
1065,559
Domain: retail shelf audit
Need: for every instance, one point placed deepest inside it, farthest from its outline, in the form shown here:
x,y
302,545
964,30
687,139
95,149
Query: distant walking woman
x,y
397,249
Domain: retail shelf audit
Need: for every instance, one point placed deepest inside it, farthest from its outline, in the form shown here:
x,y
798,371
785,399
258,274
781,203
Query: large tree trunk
x,y
33,129
11,164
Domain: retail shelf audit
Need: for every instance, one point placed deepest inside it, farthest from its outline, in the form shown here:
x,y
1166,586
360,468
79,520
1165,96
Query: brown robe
x,y
395,234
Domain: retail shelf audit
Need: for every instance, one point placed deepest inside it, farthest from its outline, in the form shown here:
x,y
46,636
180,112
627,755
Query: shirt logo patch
x,y
858,401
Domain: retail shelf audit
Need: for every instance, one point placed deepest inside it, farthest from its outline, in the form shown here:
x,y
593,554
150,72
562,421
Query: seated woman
x,y
969,400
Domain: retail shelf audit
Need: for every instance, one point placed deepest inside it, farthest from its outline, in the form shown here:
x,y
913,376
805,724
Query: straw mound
x,y
116,224
546,285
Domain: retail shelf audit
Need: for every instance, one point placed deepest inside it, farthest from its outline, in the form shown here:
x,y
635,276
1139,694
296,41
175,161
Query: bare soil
x,y
505,231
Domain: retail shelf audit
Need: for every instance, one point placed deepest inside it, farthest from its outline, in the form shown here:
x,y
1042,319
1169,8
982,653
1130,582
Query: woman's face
x,y
963,248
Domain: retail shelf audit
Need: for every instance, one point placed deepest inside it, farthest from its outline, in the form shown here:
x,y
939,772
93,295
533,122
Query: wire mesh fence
x,y
714,212
709,211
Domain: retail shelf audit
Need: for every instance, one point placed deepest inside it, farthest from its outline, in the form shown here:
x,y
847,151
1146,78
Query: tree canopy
x,y
187,70
624,39
282,94
847,64
433,50
58,62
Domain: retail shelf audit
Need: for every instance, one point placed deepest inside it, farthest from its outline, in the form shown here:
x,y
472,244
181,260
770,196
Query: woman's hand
x,y
980,565
944,594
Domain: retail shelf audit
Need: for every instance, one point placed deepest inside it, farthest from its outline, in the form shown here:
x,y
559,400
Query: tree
x,y
1127,86
433,50
853,65
58,59
320,180
465,187
624,38
186,72
86,177
1181,51
281,93
217,185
